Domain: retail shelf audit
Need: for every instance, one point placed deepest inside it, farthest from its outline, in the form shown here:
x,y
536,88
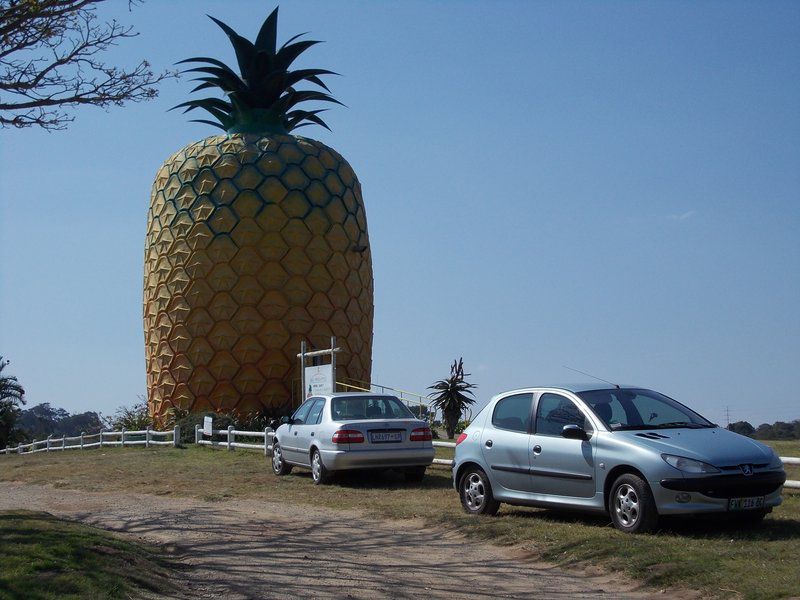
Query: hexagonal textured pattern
x,y
253,244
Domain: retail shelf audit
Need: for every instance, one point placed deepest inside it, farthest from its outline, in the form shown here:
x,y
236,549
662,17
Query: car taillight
x,y
421,434
461,438
348,436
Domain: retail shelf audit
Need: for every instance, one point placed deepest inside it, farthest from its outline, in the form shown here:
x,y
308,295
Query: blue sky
x,y
609,186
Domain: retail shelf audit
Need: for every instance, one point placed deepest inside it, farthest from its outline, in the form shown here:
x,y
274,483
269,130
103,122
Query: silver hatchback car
x,y
348,431
629,452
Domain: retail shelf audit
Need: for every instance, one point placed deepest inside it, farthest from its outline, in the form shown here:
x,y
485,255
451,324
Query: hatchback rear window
x,y
352,408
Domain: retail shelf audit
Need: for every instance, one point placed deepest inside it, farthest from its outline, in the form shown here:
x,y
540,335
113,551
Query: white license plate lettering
x,y
385,436
746,503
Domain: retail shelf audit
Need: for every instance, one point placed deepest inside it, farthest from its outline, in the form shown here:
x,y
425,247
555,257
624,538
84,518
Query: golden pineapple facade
x,y
254,243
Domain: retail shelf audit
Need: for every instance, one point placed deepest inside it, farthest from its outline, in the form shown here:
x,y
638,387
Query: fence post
x,y
82,434
19,448
48,441
101,438
197,434
176,436
147,437
230,437
63,441
266,441
123,437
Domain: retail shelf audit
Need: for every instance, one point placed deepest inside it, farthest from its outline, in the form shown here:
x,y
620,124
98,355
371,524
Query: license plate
x,y
384,437
746,503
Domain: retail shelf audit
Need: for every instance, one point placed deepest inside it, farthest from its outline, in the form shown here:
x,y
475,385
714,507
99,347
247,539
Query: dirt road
x,y
245,549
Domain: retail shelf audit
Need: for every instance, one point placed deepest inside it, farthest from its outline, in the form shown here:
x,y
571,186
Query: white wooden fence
x,y
99,440
229,441
230,438
229,435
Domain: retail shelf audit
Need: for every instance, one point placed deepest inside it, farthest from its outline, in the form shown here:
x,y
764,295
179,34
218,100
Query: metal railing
x,y
83,441
404,395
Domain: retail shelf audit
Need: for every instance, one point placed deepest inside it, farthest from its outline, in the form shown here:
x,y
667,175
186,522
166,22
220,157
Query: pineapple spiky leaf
x,y
267,38
263,94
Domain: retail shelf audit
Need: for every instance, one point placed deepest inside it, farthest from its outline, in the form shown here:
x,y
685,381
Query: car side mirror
x,y
574,432
286,420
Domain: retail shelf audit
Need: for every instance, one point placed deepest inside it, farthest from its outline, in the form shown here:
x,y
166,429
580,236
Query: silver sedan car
x,y
347,431
628,452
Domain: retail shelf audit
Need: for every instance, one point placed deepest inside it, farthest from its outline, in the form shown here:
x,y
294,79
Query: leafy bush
x,y
250,421
136,417
461,426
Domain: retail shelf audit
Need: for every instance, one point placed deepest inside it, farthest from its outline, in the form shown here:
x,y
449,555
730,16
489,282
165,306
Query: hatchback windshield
x,y
351,408
641,409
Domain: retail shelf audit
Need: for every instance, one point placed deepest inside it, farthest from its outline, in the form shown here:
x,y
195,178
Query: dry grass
x,y
712,555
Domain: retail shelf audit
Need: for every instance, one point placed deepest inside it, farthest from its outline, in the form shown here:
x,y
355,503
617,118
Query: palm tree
x,y
12,396
451,396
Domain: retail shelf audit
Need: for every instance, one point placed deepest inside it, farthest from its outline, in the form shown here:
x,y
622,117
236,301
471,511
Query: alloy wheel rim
x,y
474,491
277,459
626,505
316,467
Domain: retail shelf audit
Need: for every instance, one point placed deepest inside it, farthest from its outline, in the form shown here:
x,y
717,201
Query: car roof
x,y
576,388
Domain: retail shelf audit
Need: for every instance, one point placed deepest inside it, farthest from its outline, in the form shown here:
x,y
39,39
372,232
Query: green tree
x,y
12,397
42,420
743,428
453,396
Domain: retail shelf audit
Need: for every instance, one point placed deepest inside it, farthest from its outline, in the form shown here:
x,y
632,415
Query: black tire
x,y
414,474
631,505
279,466
475,493
319,474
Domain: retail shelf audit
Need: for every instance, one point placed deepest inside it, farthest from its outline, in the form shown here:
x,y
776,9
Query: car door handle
x,y
488,443
537,449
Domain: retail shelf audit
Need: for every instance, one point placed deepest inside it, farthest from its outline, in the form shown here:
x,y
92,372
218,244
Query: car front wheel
x,y
319,473
279,466
631,505
476,493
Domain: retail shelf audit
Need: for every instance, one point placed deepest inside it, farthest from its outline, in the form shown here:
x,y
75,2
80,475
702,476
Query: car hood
x,y
716,446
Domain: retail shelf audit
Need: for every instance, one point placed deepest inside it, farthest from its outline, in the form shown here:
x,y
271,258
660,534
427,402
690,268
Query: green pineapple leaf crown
x,y
263,98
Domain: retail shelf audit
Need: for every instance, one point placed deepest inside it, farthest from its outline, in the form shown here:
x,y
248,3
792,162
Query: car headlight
x,y
687,465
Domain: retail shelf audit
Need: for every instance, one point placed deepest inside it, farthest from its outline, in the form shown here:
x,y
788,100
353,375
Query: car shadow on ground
x,y
722,526
383,478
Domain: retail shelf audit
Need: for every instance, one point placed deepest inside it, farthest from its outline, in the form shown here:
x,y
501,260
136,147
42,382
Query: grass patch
x,y
713,555
43,557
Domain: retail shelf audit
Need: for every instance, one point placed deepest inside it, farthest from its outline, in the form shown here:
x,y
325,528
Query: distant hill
x,y
42,420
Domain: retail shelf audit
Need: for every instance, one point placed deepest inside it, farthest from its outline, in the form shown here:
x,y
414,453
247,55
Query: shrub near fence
x,y
145,437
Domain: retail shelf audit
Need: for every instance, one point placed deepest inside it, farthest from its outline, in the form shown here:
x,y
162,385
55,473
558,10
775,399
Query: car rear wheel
x,y
631,505
279,466
476,493
319,473
415,474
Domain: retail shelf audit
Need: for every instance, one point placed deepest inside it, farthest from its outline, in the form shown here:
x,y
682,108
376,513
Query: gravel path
x,y
246,549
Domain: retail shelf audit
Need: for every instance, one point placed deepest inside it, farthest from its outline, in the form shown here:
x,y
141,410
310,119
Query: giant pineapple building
x,y
256,240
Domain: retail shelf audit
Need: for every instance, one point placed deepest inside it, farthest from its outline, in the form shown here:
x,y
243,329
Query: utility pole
x,y
727,417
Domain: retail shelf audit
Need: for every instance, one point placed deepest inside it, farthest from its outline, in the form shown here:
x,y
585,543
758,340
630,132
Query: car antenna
x,y
593,376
